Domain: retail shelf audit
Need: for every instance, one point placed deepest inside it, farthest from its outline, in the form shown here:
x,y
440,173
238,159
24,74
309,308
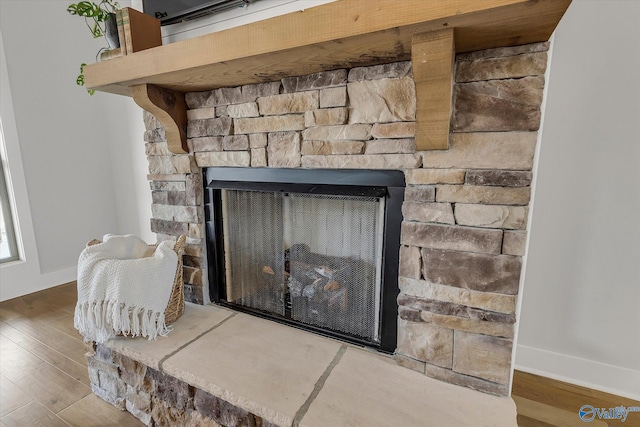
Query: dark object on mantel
x,y
174,11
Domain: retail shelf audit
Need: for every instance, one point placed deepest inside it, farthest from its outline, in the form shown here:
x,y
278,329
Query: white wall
x,y
65,142
580,318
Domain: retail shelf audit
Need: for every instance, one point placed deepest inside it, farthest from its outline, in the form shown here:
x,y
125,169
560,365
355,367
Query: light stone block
x,y
481,272
435,176
468,382
333,97
474,194
509,67
496,329
274,386
411,307
319,80
492,216
451,237
394,130
482,356
221,111
332,147
514,243
258,140
248,109
150,121
485,150
288,103
235,143
360,132
419,193
167,186
193,189
326,116
225,158
209,127
201,113
425,342
500,178
169,164
428,212
250,93
380,101
378,161
258,157
483,300
504,51
384,71
167,177
157,149
283,150
175,213
269,124
195,231
228,95
197,100
169,227
156,135
390,146
410,262
206,143
498,105
365,389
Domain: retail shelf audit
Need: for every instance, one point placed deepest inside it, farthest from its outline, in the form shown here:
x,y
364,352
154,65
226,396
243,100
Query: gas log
x,y
319,279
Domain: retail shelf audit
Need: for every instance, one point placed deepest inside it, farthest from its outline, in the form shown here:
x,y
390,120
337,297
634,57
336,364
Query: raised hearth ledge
x,y
291,377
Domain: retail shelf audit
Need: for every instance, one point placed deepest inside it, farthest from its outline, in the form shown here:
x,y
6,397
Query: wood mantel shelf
x,y
341,34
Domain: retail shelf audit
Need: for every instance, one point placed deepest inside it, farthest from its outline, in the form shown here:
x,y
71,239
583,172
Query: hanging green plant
x,y
95,14
101,21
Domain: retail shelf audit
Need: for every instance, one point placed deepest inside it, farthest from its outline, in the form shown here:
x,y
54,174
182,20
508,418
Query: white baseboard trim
x,y
27,281
575,370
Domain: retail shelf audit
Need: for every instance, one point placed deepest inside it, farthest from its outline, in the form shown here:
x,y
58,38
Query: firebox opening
x,y
313,248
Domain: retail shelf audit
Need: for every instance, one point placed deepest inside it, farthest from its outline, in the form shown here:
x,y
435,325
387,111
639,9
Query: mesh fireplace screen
x,y
313,258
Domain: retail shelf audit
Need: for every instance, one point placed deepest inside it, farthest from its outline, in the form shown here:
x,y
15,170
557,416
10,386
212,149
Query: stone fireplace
x,y
465,209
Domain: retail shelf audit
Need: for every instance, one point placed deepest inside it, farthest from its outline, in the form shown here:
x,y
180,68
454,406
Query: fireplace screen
x,y
310,248
313,258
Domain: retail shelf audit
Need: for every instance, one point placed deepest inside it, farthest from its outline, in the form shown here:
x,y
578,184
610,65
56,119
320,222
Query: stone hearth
x,y
465,210
218,367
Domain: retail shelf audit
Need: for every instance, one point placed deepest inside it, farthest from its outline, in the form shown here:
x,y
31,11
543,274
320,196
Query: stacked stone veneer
x,y
465,209
158,399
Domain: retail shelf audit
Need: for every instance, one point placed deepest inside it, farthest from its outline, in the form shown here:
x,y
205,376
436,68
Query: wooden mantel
x,y
341,34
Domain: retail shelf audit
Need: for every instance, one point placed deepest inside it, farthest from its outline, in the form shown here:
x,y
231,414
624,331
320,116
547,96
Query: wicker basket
x,y
175,306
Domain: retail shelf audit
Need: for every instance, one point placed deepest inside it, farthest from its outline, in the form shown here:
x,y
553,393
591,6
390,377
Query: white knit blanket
x,y
124,287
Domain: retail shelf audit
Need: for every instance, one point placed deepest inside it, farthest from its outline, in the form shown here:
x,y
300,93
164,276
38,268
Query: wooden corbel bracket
x,y
432,60
170,108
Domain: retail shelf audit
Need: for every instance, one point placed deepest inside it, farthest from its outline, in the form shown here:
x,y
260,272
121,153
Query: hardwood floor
x,y
545,402
44,379
43,371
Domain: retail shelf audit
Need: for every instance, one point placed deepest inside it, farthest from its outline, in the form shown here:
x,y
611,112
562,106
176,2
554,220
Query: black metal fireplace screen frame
x,y
389,184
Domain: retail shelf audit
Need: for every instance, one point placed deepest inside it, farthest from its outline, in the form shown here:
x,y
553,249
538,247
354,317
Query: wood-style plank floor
x,y
43,371
44,379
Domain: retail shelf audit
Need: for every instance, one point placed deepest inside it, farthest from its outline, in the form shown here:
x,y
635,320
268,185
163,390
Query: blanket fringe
x,y
102,320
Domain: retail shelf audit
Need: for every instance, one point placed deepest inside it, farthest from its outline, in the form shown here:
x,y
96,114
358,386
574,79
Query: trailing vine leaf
x,y
80,79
